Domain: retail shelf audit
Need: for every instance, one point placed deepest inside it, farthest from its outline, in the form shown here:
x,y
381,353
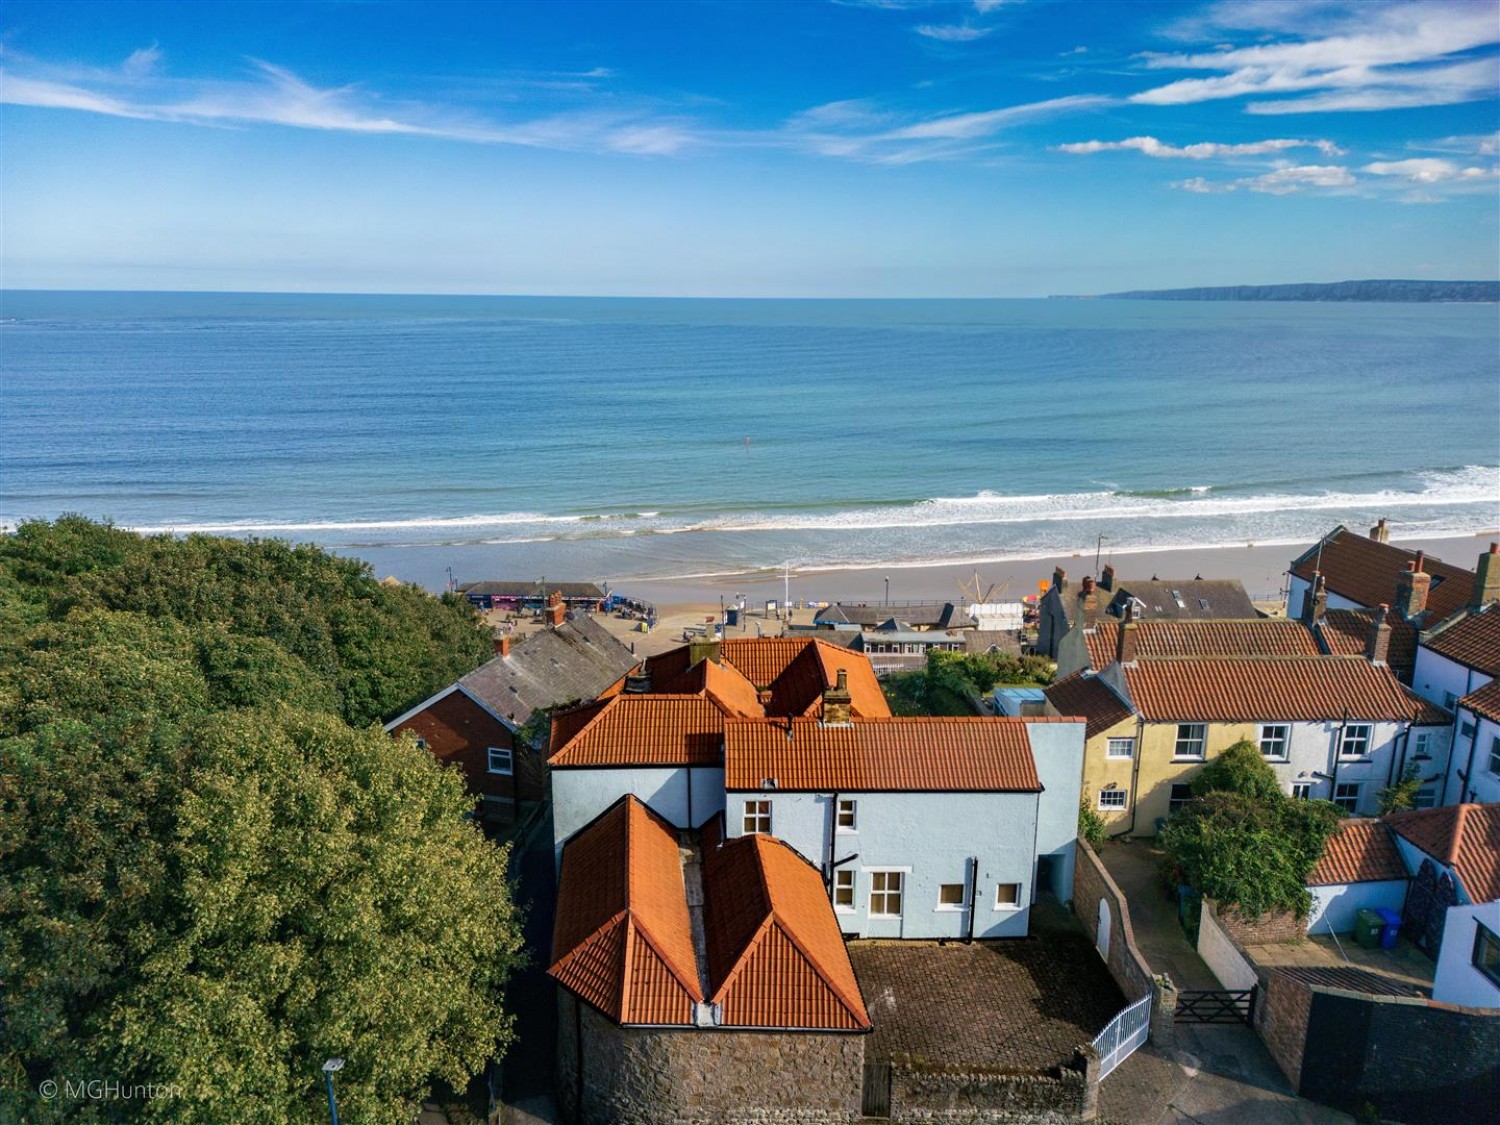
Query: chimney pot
x,y
1486,578
502,644
1378,640
1411,590
838,704
1107,576
1380,532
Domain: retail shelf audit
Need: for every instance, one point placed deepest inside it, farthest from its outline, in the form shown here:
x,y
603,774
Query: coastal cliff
x,y
1467,291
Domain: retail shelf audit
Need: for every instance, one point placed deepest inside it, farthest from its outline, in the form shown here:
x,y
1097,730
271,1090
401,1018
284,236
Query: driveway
x,y
1214,1074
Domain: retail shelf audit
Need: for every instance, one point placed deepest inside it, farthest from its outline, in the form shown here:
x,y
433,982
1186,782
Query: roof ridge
x,y
742,958
644,933
579,733
818,968
590,939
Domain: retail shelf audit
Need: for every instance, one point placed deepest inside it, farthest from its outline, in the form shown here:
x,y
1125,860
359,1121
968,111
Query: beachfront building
x,y
893,648
475,724
1364,571
1063,608
532,596
1338,728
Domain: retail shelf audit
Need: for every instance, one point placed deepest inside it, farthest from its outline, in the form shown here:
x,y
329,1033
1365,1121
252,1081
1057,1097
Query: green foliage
x,y
1242,769
1249,852
1402,795
953,681
1090,825
208,878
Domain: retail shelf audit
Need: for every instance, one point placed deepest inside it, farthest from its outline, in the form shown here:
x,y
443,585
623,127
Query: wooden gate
x,y
1216,1006
877,1096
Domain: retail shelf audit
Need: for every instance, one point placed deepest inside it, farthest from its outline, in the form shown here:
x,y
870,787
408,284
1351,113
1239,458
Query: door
x,y
1101,940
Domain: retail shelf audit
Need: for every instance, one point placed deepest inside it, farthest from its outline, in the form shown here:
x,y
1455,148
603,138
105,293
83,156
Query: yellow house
x,y
1340,728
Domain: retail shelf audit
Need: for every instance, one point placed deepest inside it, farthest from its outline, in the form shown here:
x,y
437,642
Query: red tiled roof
x,y
775,954
1463,837
640,730
1485,702
1347,631
1472,640
1359,851
1258,637
622,939
872,755
1252,689
1090,698
718,681
796,670
1357,567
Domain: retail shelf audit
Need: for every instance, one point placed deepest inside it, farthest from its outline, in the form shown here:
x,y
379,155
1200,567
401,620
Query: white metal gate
x,y
1126,1032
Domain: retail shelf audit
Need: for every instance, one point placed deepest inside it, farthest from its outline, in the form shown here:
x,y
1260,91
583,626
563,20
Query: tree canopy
x,y
209,879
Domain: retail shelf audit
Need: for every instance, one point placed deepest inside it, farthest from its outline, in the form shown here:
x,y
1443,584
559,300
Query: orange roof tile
x,y
872,755
1463,837
796,670
1347,631
1485,702
1259,637
776,957
1359,851
1251,689
640,730
622,939
1089,698
721,682
1357,567
1473,640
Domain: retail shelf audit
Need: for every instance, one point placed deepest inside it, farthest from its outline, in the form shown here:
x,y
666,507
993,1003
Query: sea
x,y
624,439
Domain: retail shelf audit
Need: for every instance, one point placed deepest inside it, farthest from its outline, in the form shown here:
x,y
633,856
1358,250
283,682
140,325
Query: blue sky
x,y
858,148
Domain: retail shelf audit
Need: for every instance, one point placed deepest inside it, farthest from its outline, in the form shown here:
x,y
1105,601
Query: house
x,y
1334,727
1361,869
914,615
1474,765
901,649
1459,655
1361,572
474,723
1198,599
532,595
1453,906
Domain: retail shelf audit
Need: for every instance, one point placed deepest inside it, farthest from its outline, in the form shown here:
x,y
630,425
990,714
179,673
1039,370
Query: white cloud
x,y
1429,170
982,6
17,90
142,62
1202,187
1203,150
1298,177
1362,57
952,32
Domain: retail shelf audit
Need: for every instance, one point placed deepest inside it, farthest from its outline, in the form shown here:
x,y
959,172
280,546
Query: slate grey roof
x,y
576,661
532,589
981,640
928,614
1222,599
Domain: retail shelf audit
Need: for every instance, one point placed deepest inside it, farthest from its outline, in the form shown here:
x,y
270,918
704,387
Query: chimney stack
x,y
556,611
1125,644
1411,590
1107,577
1088,594
838,704
502,644
1059,579
1380,533
1315,601
638,682
1487,578
1378,641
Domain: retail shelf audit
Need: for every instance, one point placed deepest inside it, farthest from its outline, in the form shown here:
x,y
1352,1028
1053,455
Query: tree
x,y
221,911
1402,795
1091,826
1242,769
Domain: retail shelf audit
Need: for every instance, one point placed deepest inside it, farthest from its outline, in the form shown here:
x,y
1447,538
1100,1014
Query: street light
x,y
887,589
330,1068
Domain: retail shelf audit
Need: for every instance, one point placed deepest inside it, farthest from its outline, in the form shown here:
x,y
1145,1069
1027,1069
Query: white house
x,y
1474,765
1361,869
1459,656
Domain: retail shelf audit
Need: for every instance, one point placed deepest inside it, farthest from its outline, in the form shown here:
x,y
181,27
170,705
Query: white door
x,y
1101,942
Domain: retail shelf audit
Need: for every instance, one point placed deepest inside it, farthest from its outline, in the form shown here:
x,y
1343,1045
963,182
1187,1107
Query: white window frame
x,y
843,880
1426,798
509,757
1200,740
1121,806
1495,755
846,805
952,907
757,812
1351,734
1352,797
1421,744
1284,738
1306,788
1127,743
1016,905
880,886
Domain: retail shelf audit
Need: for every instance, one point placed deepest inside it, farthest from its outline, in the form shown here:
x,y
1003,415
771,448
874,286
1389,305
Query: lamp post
x,y
887,589
331,1067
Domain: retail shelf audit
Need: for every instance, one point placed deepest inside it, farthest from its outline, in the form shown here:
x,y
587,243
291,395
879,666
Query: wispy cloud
x,y
1430,170
1203,150
273,95
1286,179
952,32
1357,57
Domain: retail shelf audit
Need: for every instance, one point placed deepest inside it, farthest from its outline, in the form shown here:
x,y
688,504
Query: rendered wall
x,y
1482,786
1220,954
579,795
1334,908
1057,749
1457,981
1434,677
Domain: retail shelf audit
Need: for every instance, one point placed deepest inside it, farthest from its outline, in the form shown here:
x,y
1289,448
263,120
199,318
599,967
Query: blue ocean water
x,y
628,438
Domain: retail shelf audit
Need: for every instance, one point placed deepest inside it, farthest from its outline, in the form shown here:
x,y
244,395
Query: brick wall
x,y
1282,1008
460,732
1270,927
1413,1060
649,1076
1059,1096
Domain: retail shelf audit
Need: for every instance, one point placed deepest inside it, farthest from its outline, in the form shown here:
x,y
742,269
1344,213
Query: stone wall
x,y
1270,927
1412,1060
1091,882
1281,1012
1062,1095
1220,952
609,1074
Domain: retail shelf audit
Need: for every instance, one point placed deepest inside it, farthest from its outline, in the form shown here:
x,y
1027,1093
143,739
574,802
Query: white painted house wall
x,y
579,795
1335,907
1457,981
1057,750
1442,680
1297,588
1480,785
1312,748
929,838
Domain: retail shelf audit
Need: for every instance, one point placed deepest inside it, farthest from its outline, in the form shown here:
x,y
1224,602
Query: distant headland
x,y
1465,291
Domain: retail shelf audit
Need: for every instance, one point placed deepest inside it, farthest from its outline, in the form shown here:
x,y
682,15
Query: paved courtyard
x,y
1025,1003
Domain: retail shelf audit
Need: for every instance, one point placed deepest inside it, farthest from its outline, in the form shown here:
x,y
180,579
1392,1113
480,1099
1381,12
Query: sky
x,y
880,148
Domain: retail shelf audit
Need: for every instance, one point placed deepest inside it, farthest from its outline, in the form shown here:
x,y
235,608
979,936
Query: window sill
x,y
1007,909
843,910
1199,758
884,917
951,909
